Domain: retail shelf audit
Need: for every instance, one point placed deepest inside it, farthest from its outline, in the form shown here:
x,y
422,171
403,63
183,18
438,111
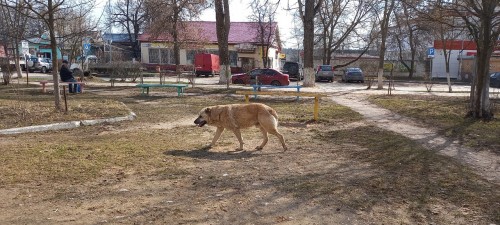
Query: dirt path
x,y
486,163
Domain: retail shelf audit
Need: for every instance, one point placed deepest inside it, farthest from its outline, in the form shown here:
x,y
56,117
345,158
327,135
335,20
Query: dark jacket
x,y
66,74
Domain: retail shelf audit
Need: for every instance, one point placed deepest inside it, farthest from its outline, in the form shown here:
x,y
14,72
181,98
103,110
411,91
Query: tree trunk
x,y
308,21
384,28
480,101
53,45
222,20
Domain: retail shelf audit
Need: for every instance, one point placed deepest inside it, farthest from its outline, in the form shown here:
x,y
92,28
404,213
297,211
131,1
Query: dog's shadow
x,y
205,153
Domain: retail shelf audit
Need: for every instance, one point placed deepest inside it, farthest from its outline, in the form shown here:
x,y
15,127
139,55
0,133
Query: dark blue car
x,y
495,80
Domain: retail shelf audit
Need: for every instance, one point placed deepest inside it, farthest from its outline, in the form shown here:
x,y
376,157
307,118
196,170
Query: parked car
x,y
353,69
22,62
293,69
43,65
262,76
495,80
324,72
353,74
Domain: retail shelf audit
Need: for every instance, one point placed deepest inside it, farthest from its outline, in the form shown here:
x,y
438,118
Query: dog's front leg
x,y
217,135
238,135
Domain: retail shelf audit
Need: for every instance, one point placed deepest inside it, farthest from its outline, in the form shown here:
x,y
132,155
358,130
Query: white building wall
x,y
439,64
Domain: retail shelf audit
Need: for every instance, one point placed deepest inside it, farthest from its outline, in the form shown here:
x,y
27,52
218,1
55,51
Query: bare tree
x,y
407,35
388,6
13,22
307,11
167,17
52,12
342,22
223,22
482,20
130,15
264,13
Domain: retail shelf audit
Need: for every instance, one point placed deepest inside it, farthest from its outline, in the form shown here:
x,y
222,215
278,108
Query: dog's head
x,y
203,118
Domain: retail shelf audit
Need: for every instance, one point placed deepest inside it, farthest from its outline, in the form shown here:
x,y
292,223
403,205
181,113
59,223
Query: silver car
x,y
324,72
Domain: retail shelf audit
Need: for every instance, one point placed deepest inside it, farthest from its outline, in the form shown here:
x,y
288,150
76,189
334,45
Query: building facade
x,y
245,49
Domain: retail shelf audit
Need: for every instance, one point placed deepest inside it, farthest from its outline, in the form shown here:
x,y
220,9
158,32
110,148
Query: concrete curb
x,y
66,125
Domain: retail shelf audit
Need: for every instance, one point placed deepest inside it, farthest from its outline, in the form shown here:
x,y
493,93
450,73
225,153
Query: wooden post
x,y
247,99
316,108
65,101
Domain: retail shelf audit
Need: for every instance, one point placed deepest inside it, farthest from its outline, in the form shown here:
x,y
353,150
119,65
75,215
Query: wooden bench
x,y
146,87
302,94
45,82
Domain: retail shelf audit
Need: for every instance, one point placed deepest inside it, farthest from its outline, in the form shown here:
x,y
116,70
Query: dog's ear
x,y
207,111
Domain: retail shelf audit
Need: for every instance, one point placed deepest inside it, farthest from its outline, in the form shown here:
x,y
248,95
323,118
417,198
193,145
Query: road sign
x,y
430,52
86,46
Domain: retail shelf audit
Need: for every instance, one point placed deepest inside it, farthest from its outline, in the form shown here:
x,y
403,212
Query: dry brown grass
x,y
447,114
333,170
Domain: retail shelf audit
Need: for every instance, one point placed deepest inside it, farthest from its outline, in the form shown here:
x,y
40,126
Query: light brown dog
x,y
239,116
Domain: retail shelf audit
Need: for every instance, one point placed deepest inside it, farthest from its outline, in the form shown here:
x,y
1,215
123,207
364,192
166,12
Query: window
x,y
254,73
161,55
165,55
326,68
154,55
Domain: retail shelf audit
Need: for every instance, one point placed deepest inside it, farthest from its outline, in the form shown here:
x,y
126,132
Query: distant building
x,y
462,59
40,47
245,48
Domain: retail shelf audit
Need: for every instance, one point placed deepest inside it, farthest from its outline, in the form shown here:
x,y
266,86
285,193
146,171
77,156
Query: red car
x,y
262,76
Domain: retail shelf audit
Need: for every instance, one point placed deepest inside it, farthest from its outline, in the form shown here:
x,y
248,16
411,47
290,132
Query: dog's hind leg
x,y
280,136
264,138
217,135
272,127
237,133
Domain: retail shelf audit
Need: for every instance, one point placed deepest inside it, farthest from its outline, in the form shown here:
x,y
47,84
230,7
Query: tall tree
x,y
167,17
482,20
264,13
388,6
223,22
343,23
130,16
307,12
13,22
52,12
409,30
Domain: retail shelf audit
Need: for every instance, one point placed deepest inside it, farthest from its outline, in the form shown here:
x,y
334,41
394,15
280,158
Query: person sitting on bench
x,y
67,76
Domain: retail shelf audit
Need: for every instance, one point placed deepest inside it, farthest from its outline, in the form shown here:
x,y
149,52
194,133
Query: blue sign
x,y
86,46
430,52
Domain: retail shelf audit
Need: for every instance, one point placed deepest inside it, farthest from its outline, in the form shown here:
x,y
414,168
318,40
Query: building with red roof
x,y
245,45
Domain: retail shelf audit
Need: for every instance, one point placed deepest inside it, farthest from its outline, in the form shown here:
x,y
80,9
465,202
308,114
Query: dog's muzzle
x,y
200,122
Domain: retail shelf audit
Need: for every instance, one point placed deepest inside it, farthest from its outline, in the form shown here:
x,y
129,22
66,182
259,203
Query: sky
x,y
240,11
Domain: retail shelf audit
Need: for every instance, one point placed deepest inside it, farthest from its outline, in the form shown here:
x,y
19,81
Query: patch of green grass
x,y
448,115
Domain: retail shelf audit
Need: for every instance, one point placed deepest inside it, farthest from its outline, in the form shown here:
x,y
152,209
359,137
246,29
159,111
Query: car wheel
x,y
44,69
276,83
238,81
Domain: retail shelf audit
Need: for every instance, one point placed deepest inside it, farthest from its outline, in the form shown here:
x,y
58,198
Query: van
x,y
206,64
293,69
324,72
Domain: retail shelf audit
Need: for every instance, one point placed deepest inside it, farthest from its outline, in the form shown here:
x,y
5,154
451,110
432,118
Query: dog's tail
x,y
273,112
